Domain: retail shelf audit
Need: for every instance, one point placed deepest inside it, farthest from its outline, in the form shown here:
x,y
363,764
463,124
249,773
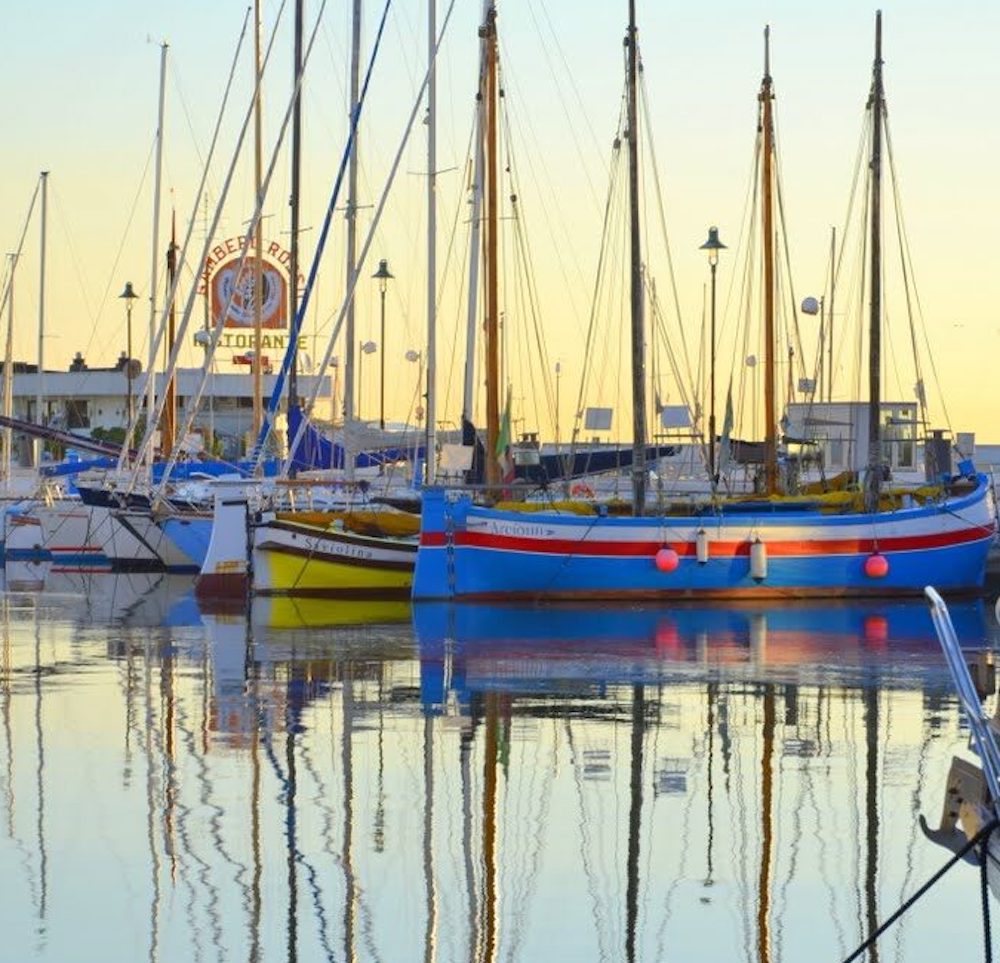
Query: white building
x,y
83,399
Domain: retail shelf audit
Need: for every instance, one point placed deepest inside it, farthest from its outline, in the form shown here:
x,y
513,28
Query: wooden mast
x,y
876,104
638,336
430,361
767,221
492,326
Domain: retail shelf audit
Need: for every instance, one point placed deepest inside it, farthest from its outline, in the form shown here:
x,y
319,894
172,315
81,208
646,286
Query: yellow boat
x,y
315,554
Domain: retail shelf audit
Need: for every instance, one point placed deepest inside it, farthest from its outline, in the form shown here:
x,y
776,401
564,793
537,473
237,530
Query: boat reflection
x,y
487,783
768,680
152,599
526,647
285,612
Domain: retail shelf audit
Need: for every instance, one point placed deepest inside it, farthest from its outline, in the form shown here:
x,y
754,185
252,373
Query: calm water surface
x,y
325,781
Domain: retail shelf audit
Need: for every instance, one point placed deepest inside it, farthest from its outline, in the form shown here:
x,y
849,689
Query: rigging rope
x,y
981,837
655,168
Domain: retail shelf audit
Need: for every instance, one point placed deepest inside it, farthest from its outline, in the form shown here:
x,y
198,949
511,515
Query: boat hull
x,y
73,535
475,552
295,559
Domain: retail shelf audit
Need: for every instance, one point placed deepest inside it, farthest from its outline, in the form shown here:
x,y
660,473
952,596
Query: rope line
x,y
981,837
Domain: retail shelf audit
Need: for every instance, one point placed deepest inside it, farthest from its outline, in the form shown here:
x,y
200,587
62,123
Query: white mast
x,y
258,282
8,374
154,251
431,361
40,381
352,241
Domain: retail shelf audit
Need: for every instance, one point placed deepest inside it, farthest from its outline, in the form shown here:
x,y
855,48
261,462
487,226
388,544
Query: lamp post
x,y
713,245
383,276
129,295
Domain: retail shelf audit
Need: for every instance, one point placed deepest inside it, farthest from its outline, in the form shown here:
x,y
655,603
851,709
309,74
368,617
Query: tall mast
x,y
258,280
154,254
492,222
40,382
8,374
767,220
169,420
431,360
293,261
475,215
638,335
877,106
352,239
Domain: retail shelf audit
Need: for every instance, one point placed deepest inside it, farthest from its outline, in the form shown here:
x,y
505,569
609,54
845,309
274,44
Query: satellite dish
x,y
203,338
369,347
751,361
810,306
412,355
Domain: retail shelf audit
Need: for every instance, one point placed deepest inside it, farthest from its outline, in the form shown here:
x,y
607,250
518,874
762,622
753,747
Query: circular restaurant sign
x,y
235,289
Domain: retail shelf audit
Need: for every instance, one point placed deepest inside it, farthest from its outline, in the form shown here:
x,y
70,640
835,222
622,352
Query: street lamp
x,y
713,245
129,295
383,276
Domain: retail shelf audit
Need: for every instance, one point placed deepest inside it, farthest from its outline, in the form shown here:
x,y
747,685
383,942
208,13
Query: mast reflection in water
x,y
472,783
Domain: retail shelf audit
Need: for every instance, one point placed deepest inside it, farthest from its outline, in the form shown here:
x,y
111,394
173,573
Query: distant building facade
x,y
84,399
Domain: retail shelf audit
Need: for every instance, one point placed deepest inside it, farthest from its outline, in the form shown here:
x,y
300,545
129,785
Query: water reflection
x,y
479,783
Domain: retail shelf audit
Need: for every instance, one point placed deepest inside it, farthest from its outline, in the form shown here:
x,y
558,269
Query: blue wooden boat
x,y
872,542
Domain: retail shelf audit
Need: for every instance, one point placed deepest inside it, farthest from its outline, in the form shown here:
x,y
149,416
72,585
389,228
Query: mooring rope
x,y
982,836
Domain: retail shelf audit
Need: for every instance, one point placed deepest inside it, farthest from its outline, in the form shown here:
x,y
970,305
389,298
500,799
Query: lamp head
x,y
128,294
713,245
382,275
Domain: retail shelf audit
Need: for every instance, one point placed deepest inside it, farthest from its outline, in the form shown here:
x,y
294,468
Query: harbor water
x,y
316,780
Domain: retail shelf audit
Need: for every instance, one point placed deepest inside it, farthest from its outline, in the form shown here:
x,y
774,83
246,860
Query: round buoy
x,y
666,636
876,566
876,629
666,559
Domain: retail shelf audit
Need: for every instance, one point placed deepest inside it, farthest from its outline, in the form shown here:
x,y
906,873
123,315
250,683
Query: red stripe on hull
x,y
717,549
